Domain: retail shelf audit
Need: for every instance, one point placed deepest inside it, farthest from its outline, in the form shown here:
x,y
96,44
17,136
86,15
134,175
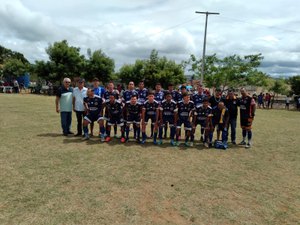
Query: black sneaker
x,y
70,132
78,135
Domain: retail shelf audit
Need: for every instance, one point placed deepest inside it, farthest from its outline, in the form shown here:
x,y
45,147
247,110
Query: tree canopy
x,y
153,70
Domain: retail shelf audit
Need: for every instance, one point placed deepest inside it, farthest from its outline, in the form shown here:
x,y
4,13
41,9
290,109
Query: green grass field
x,y
50,179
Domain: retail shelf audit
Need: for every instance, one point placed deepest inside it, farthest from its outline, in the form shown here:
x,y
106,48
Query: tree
x,y
65,60
231,71
152,71
295,84
99,65
279,87
14,68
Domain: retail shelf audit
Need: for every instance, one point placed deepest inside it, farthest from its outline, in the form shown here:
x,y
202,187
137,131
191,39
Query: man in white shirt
x,y
78,94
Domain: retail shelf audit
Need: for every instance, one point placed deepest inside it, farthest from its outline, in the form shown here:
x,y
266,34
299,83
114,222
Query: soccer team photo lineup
x,y
172,115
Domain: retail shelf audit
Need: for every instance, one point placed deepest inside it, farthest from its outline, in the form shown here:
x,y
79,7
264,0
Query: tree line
x,y
64,60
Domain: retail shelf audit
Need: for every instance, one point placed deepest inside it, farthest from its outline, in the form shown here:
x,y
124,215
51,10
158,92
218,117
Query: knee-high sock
x,y
138,133
152,127
173,131
144,136
127,132
249,136
85,130
160,132
244,133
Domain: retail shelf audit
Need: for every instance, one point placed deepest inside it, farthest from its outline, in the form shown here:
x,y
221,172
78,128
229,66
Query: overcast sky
x,y
129,30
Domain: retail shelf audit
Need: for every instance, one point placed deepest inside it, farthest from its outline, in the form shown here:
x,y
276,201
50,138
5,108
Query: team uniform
x,y
220,120
167,109
142,95
175,95
108,93
198,99
159,96
214,101
150,112
202,117
133,116
95,108
246,115
127,95
114,113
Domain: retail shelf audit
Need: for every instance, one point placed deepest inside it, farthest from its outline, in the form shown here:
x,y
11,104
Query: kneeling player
x,y
182,116
132,113
166,117
201,117
114,114
93,106
150,112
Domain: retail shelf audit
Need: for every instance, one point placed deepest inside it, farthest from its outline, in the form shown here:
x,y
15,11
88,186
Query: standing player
x,y
93,106
150,111
109,91
167,108
129,92
247,113
201,117
220,121
132,114
142,93
114,115
182,116
231,103
198,100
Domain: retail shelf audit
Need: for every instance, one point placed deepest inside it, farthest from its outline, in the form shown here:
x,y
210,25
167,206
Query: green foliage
x,y
14,68
153,70
295,84
99,65
231,71
6,54
65,60
280,87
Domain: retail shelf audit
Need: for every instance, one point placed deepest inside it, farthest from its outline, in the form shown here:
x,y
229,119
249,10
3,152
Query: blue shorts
x,y
133,119
187,124
115,121
168,119
152,117
93,117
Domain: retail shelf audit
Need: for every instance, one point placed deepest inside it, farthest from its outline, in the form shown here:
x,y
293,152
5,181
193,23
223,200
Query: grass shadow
x,y
50,135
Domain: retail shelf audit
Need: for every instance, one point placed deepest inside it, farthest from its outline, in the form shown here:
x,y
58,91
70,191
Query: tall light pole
x,y
204,43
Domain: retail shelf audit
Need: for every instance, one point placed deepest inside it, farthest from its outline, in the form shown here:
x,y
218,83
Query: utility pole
x,y
204,43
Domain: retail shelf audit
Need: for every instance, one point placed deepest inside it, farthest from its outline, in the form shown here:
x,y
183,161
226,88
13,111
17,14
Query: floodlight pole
x,y
204,43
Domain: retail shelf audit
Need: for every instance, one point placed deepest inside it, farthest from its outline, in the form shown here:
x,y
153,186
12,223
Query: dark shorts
x,y
168,119
187,124
133,119
115,121
202,123
152,117
246,123
93,117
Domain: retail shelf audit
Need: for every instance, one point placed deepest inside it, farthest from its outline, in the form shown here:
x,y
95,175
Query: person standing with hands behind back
x,y
63,104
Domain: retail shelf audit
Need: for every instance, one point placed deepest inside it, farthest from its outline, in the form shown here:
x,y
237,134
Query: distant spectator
x,y
63,104
268,100
260,100
287,102
16,86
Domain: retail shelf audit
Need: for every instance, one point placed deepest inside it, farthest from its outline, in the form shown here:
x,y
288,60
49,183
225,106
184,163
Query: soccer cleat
x,y
233,142
173,143
242,143
123,140
159,142
206,145
86,137
187,144
191,144
248,146
102,139
143,141
107,139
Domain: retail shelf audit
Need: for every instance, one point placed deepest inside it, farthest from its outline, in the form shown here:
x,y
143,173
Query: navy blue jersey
x,y
159,96
142,95
174,94
133,109
128,93
108,93
168,108
150,108
184,110
94,104
113,109
198,99
221,116
202,113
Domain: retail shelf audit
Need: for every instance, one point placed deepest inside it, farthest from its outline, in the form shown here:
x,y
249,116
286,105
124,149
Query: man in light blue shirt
x,y
63,104
78,94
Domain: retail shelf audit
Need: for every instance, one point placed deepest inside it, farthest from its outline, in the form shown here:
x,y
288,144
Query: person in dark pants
x,y
231,103
63,104
79,93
